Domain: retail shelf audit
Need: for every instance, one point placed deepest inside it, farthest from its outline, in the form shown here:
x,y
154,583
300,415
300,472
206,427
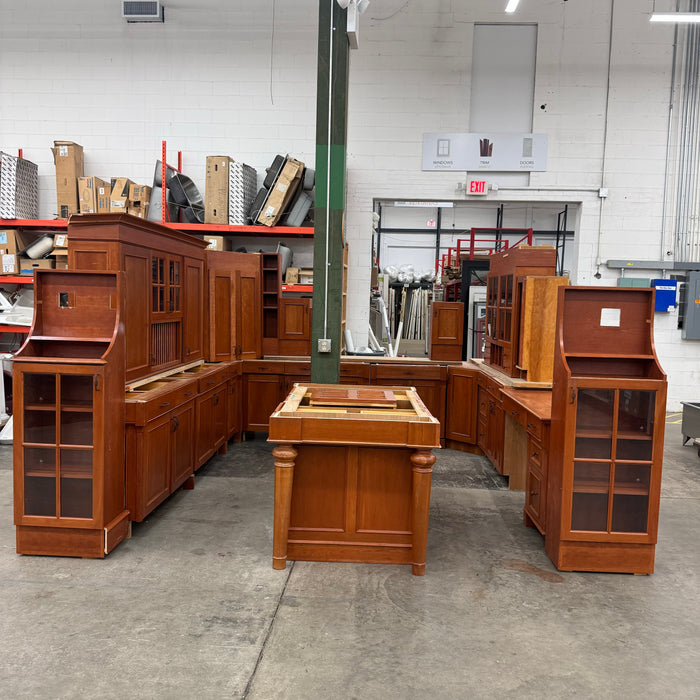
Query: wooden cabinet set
x,y
146,309
129,379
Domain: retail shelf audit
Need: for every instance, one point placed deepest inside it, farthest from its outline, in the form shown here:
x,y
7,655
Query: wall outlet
x,y
324,344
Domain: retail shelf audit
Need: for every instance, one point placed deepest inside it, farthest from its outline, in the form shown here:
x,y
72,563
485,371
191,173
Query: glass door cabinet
x,y
608,402
68,385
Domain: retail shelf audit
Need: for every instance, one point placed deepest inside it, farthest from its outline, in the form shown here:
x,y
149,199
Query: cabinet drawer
x,y
152,400
401,373
298,369
534,426
358,371
535,455
515,411
263,367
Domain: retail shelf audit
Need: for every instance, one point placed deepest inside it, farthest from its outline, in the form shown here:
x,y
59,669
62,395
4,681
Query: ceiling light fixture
x,y
512,5
676,17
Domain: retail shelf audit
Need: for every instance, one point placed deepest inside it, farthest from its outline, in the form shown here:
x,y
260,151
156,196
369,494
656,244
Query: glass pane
x,y
40,427
76,483
76,428
76,463
76,390
174,272
154,270
589,507
594,419
39,389
631,497
39,481
76,498
635,450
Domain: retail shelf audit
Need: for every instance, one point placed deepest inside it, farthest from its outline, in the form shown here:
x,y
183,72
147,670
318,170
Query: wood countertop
x,y
536,401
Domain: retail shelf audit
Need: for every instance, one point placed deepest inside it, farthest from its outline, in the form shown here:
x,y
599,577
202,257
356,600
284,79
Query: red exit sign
x,y
477,187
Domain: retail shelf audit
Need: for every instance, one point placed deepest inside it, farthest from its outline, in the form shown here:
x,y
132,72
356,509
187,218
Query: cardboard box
x,y
27,265
119,198
282,192
219,243
93,195
291,276
139,199
216,190
68,157
9,246
61,262
306,275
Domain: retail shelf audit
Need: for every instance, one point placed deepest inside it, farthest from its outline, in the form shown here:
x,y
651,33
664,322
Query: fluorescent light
x,y
512,5
672,16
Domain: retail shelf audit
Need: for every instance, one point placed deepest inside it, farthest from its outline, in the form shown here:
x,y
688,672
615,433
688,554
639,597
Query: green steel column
x,y
329,208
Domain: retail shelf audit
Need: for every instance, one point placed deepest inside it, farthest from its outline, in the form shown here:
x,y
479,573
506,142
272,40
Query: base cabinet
x,y
263,390
491,421
160,438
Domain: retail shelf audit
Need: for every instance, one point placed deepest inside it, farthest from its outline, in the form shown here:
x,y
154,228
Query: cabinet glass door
x,y
58,441
612,460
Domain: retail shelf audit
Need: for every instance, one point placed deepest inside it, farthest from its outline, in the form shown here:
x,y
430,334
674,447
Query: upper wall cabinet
x,y
163,285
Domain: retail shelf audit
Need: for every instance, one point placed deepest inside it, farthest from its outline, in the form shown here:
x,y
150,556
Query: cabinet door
x,y
166,310
154,471
136,265
295,327
182,425
234,406
221,318
461,410
446,330
263,393
219,414
249,311
56,448
193,331
204,441
614,482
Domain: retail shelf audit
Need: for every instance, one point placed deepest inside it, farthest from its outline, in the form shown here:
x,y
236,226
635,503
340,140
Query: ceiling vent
x,y
143,11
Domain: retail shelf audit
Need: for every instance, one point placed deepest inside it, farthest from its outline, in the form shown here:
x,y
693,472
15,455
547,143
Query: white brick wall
x,y
213,80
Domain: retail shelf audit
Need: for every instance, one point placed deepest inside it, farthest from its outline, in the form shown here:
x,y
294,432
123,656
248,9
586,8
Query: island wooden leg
x,y
284,476
422,461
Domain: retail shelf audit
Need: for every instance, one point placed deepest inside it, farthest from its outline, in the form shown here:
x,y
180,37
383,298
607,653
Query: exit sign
x,y
477,187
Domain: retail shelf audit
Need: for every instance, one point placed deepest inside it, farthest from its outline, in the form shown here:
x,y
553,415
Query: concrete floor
x,y
190,607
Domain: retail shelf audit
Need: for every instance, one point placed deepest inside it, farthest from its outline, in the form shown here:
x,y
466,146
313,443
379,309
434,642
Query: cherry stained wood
x,y
68,444
234,306
345,396
162,288
461,409
503,301
295,326
160,441
606,444
446,330
352,484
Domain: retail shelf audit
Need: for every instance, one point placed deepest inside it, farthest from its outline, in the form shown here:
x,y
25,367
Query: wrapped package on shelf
x,y
19,188
242,188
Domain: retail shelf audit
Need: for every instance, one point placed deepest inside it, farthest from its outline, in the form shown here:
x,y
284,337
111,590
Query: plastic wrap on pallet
x,y
19,188
242,188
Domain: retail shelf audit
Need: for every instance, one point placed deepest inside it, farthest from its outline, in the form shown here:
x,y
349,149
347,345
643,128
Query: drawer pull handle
x,y
514,413
164,405
210,383
189,393
534,493
531,425
535,454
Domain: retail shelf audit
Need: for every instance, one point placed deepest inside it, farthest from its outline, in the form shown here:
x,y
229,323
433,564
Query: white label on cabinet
x,y
281,187
63,151
270,211
610,317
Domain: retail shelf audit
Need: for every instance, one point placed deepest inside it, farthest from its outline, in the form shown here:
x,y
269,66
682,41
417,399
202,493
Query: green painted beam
x,y
329,207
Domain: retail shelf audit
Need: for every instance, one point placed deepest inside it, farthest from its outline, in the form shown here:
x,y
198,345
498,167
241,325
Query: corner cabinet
x,y
608,409
68,383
